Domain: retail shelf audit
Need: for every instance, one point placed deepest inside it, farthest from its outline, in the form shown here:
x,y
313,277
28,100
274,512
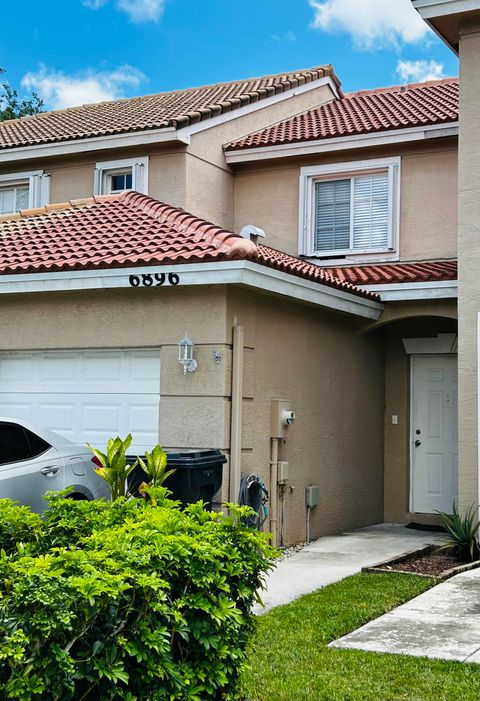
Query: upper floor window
x,y
350,209
113,177
23,191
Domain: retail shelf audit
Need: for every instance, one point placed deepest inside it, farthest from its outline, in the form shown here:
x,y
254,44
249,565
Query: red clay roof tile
x,y
364,112
131,229
171,109
391,273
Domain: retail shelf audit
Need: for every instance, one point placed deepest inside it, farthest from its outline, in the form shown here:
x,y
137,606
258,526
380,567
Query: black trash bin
x,y
198,475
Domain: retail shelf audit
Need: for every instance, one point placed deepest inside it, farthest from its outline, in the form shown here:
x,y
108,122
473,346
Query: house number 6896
x,y
155,280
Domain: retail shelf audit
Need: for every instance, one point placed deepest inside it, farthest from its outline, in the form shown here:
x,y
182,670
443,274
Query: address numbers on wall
x,y
154,279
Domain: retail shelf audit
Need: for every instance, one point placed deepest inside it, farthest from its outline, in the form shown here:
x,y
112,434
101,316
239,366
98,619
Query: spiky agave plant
x,y
462,533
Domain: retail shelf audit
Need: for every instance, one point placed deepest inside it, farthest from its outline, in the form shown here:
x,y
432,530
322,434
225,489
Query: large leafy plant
x,y
113,466
462,533
155,466
135,600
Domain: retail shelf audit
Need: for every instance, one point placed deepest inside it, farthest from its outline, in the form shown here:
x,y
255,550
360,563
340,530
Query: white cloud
x,y
142,10
373,24
60,90
137,10
418,71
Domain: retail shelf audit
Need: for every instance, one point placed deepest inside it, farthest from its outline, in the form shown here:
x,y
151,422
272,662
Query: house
x,y
304,240
458,24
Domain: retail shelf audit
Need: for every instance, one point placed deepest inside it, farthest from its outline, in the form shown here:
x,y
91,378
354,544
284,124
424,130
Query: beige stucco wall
x,y
469,260
73,177
267,195
194,408
405,320
334,380
332,375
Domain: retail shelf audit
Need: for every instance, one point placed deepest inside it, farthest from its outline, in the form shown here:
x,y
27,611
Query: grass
x,y
290,660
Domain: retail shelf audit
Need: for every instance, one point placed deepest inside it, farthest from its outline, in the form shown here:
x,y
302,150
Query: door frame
x,y
411,437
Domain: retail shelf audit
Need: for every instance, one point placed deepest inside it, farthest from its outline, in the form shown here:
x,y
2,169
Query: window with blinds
x,y
352,214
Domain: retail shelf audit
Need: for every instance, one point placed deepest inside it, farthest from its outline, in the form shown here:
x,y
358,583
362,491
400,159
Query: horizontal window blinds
x,y
371,211
352,214
332,207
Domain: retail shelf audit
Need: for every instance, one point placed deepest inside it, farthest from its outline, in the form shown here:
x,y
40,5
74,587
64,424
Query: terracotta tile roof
x,y
364,112
127,230
170,109
386,273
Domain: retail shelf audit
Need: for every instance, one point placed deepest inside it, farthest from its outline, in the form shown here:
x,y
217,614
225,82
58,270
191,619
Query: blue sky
x,y
74,51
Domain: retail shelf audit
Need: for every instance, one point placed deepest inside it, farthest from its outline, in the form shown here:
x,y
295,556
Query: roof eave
x,y
237,272
342,143
408,291
445,16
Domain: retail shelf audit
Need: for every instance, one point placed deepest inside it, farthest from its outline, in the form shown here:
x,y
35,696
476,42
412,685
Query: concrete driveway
x,y
332,558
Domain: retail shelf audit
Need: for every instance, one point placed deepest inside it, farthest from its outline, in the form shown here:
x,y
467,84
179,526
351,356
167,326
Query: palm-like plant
x,y
462,533
112,466
155,466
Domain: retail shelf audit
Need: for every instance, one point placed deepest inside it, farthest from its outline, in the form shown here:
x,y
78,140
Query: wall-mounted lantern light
x,y
185,355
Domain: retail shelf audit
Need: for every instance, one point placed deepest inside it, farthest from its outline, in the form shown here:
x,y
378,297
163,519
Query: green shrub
x,y
18,525
129,600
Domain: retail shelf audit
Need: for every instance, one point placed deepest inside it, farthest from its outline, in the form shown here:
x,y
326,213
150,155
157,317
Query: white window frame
x,y
103,170
310,175
38,186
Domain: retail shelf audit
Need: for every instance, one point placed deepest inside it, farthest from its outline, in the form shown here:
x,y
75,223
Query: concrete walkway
x,y
332,558
444,623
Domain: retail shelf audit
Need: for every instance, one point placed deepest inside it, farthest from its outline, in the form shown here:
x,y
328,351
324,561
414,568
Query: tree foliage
x,y
13,106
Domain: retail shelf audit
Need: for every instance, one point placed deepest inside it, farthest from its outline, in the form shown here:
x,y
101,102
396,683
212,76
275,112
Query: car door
x,y
29,466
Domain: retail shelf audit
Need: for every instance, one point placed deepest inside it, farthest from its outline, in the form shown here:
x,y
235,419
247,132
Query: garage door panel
x,y
18,373
87,396
10,406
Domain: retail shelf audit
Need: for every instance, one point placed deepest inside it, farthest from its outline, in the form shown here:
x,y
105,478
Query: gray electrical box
x,y
282,474
312,496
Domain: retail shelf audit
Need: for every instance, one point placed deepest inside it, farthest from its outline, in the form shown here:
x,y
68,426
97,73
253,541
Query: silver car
x,y
35,460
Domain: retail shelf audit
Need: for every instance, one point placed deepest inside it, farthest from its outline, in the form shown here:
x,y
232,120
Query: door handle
x,y
417,443
49,471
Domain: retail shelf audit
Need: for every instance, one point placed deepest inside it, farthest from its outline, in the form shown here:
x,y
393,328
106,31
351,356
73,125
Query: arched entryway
x,y
420,431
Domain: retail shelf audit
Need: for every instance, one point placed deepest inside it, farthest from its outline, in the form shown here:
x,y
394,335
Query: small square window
x,y
121,181
114,177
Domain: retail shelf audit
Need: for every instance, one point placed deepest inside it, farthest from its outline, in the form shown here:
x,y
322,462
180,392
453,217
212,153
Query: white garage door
x,y
87,396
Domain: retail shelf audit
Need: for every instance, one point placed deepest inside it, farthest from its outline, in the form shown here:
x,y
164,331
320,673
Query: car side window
x,y
17,443
37,444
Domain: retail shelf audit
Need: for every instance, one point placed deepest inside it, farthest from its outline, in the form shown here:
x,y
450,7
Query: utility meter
x,y
282,416
288,417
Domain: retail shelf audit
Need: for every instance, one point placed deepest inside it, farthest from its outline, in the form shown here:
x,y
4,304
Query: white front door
x,y
434,438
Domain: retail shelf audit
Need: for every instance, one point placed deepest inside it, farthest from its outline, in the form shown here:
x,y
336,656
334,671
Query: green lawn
x,y
290,660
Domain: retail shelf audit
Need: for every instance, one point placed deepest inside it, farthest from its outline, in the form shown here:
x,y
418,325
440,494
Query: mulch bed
x,y
433,564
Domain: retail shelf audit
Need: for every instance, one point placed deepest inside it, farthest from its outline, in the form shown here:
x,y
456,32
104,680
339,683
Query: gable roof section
x,y
395,273
364,112
175,109
128,230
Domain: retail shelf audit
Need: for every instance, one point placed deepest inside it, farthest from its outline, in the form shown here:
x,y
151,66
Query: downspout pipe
x,y
236,415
